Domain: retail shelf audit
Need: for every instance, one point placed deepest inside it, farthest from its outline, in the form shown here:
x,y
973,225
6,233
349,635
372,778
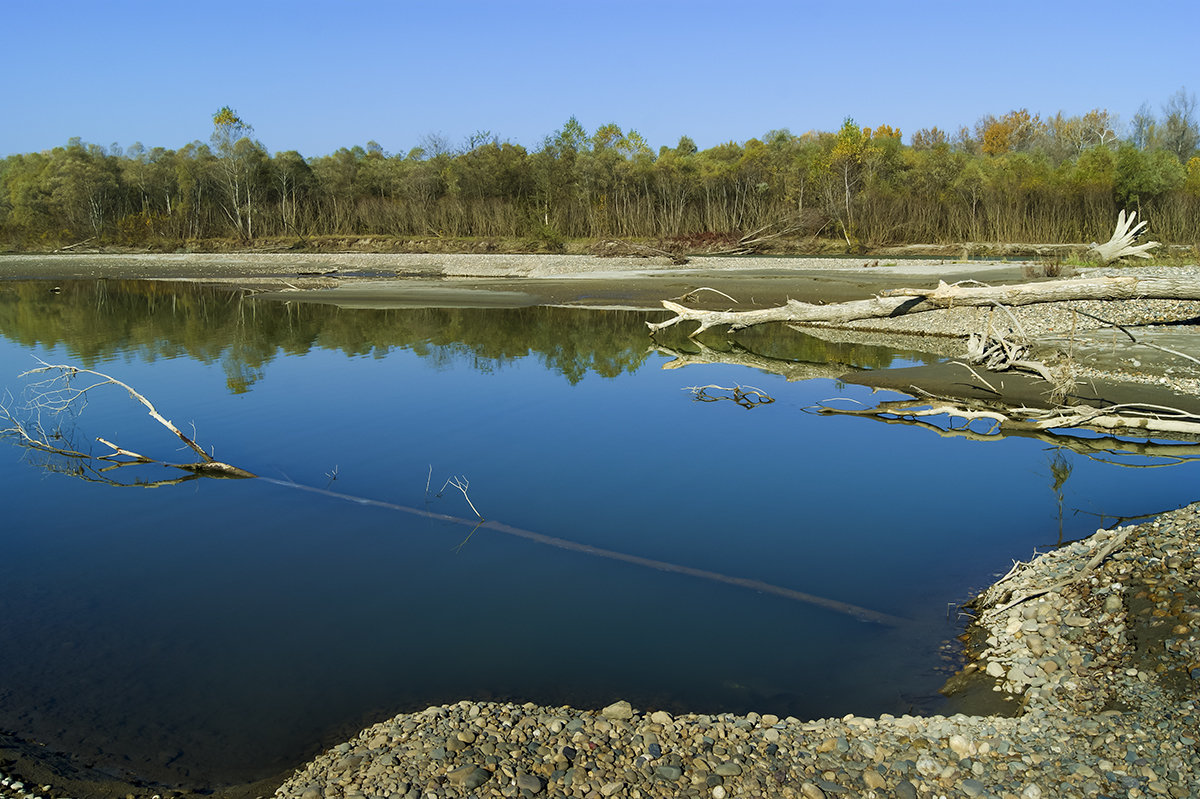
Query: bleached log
x,y
1121,245
907,301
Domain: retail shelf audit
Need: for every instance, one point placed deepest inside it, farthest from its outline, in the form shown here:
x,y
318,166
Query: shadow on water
x,y
221,631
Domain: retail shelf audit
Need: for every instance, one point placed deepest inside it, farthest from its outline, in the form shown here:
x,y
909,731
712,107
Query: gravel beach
x,y
1101,662
1087,657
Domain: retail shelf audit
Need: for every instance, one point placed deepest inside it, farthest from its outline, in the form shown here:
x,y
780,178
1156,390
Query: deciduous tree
x,y
241,161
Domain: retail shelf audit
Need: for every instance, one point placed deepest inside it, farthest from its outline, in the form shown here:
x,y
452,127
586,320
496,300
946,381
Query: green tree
x,y
844,166
241,161
1145,176
85,185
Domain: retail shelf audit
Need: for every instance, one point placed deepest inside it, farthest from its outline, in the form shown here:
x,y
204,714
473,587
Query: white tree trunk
x,y
899,302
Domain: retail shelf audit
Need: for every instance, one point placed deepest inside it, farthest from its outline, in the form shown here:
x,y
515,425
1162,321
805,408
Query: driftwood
x,y
999,419
1121,245
1108,448
745,396
899,302
1000,597
59,393
753,241
613,248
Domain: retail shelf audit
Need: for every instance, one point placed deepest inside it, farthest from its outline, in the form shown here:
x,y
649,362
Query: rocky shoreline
x,y
1096,642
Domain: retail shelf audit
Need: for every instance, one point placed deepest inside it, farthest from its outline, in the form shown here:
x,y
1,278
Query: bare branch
x,y
462,485
745,396
60,398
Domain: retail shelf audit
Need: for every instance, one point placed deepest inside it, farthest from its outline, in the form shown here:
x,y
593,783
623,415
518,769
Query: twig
x,y
690,296
977,376
66,396
746,396
462,484
1108,549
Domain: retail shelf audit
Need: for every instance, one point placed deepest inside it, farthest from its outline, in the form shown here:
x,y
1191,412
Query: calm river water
x,y
221,630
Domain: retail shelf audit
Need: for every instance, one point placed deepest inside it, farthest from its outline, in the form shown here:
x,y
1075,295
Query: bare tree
x,y
1179,133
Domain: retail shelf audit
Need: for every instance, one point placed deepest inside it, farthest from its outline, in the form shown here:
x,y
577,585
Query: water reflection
x,y
224,630
94,321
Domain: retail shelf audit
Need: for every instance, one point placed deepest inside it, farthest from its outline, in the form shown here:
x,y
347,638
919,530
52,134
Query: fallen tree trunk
x,y
900,302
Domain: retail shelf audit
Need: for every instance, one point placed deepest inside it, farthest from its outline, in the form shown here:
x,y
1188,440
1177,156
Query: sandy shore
x,y
396,280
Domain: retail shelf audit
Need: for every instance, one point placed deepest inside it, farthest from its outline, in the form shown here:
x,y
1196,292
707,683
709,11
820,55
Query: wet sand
x,y
388,280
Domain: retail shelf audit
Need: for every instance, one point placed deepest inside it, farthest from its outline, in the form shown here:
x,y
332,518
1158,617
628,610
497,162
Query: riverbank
x,y
1101,661
514,748
1085,330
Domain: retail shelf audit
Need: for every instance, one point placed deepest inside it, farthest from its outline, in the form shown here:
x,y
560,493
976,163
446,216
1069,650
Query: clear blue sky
x,y
316,76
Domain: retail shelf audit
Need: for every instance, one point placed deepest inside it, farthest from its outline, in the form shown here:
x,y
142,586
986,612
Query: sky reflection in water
x,y
224,630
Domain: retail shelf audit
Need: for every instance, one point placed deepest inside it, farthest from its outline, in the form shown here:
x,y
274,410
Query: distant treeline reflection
x,y
95,321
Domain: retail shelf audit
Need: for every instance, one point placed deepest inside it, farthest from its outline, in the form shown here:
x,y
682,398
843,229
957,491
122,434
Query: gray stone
x,y
668,772
972,787
469,776
810,791
528,782
728,769
618,710
905,790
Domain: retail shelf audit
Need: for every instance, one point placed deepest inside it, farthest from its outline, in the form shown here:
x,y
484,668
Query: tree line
x,y
1010,178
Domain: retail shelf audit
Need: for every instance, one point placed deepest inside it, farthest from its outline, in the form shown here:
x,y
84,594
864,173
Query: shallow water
x,y
219,630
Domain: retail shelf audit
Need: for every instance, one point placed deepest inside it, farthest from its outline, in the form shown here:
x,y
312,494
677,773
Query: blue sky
x,y
314,77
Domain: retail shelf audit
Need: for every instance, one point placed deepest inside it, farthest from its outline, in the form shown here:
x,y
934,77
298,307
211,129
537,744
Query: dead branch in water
x,y
1000,420
745,396
58,395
